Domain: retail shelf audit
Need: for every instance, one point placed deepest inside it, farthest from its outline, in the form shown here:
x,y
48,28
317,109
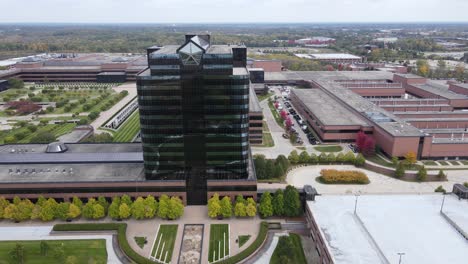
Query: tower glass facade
x,y
194,114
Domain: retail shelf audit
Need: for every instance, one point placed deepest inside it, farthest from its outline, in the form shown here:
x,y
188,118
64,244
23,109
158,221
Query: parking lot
x,y
300,129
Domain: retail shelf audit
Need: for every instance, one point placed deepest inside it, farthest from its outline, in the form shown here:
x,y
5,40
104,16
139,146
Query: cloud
x,y
196,11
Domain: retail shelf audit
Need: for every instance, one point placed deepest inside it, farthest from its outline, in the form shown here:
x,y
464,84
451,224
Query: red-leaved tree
x,y
365,144
284,114
288,123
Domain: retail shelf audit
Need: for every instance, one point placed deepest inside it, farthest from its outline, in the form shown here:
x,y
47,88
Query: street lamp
x,y
355,203
443,201
400,254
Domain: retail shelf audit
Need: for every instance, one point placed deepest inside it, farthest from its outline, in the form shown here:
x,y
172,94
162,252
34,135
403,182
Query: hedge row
x,y
251,249
121,235
343,177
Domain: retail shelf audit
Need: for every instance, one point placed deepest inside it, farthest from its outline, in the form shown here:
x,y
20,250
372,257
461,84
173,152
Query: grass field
x,y
56,130
129,129
243,239
263,97
296,254
443,163
219,242
276,115
81,251
429,163
329,148
164,243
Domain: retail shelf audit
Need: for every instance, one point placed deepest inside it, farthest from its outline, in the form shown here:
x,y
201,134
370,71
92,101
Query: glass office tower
x,y
194,114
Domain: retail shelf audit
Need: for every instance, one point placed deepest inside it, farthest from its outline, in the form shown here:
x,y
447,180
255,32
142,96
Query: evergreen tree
x,y
176,208
314,159
304,157
279,170
331,158
293,157
265,208
292,202
88,208
340,158
281,159
77,202
126,200
104,203
360,160
98,211
73,211
62,211
269,169
400,170
239,209
349,158
422,174
323,158
278,203
260,166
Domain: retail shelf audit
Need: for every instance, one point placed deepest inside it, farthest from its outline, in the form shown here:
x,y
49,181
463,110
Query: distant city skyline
x,y
239,11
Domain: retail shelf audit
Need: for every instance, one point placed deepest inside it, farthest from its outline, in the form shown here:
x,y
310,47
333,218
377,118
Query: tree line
x,y
120,208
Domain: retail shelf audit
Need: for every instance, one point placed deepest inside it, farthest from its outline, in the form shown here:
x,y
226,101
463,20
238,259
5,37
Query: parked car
x,y
304,128
286,136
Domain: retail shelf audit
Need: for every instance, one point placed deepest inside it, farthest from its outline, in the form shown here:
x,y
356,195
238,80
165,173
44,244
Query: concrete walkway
x,y
130,87
378,183
43,233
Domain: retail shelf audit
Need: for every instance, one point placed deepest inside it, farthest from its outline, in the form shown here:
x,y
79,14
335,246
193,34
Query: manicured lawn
x,y
443,163
164,243
56,130
141,241
219,242
263,97
296,254
465,162
243,239
129,129
329,148
82,251
454,163
429,163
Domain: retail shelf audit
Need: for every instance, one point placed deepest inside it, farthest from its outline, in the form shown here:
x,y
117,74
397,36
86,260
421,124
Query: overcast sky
x,y
237,11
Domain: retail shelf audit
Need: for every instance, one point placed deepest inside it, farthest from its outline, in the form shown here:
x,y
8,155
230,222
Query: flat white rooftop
x,y
332,56
391,224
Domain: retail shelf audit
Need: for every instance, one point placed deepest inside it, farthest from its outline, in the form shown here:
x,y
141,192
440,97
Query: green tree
x,y
77,202
251,208
62,211
151,206
104,203
441,175
3,204
278,203
293,157
395,161
260,166
44,248
73,211
124,211
284,248
239,210
126,200
400,170
98,211
266,207
11,212
292,202
226,207
214,206
48,210
304,157
17,253
281,159
331,158
163,210
88,208
422,174
176,208
279,170
360,160
349,158
269,169
314,159
323,158
16,83
138,208
114,208
340,158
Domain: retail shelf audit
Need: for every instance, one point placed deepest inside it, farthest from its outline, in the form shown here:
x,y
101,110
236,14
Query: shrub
x,y
422,174
465,184
359,161
440,189
441,175
343,177
400,170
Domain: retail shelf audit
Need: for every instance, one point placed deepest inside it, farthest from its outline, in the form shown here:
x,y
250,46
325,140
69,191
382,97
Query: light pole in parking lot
x,y
400,254
355,203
